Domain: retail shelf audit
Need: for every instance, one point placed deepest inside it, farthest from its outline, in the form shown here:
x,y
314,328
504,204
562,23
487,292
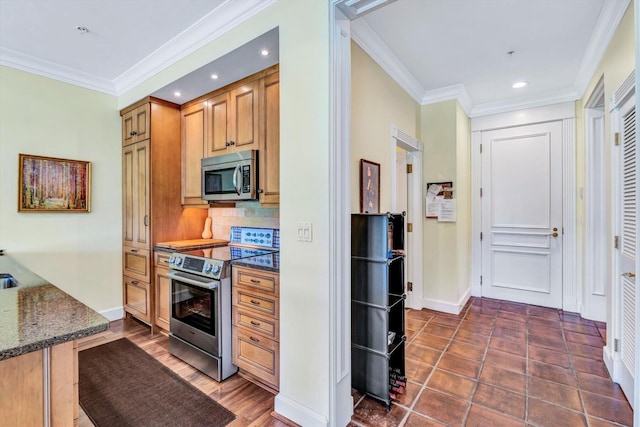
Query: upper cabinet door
x,y
244,117
194,129
217,124
135,125
269,153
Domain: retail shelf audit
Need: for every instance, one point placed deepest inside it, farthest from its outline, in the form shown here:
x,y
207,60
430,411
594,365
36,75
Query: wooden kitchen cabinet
x,y
136,182
162,284
233,120
194,129
151,198
135,125
269,152
255,324
137,298
26,386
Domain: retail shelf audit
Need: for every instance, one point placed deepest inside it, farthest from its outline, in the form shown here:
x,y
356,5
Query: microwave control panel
x,y
246,179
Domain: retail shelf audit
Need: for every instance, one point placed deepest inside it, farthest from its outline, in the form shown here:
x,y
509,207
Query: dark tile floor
x,y
500,363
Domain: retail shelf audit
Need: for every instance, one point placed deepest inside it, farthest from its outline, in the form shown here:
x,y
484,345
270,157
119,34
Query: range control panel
x,y
207,267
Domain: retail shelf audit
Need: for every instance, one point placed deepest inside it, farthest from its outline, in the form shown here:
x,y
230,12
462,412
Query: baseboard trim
x,y
298,413
112,314
446,306
607,356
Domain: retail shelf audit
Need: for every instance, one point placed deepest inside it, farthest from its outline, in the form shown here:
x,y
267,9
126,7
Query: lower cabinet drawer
x,y
137,298
136,263
263,325
256,302
257,355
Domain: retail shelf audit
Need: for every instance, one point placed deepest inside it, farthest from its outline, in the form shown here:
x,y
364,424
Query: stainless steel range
x,y
200,323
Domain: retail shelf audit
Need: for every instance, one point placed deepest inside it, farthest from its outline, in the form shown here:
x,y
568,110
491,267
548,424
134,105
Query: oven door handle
x,y
193,280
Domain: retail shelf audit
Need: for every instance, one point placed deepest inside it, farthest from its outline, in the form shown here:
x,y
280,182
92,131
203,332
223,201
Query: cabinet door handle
x,y
254,339
254,302
255,323
232,143
146,220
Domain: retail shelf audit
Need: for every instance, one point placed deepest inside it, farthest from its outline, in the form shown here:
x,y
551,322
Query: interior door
x,y
522,214
627,246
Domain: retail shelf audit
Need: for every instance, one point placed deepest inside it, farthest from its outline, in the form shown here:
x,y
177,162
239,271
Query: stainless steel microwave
x,y
230,177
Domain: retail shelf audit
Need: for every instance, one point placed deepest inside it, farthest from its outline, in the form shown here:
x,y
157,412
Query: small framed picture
x,y
369,186
47,184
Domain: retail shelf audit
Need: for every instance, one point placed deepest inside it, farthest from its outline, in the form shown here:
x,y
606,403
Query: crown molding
x,y
41,67
548,98
220,20
225,17
457,92
377,49
606,26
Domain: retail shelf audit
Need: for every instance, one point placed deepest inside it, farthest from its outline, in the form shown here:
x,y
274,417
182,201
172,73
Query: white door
x,y
522,214
627,246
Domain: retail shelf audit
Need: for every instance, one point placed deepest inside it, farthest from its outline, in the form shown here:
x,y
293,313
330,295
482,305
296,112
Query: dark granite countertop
x,y
268,262
37,314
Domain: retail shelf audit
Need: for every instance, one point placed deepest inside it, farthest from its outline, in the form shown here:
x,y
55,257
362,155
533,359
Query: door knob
x,y
553,234
629,275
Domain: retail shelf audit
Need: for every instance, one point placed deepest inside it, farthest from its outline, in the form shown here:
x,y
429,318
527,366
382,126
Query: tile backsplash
x,y
250,215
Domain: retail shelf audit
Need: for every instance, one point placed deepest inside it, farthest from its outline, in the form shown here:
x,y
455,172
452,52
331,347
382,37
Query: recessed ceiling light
x,y
214,76
177,94
264,52
518,85
82,30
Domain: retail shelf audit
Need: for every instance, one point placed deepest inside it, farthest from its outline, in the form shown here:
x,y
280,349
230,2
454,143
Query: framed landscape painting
x,y
47,184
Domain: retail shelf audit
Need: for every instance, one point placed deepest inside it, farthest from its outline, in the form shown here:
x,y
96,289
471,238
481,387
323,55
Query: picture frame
x,y
369,186
49,184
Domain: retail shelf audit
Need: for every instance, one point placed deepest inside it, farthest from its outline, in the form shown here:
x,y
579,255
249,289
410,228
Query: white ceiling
x,y
435,49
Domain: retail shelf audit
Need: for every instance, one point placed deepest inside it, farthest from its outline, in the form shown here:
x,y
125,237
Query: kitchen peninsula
x,y
39,329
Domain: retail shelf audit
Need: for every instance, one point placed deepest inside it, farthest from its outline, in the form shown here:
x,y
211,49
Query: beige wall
x,y
616,65
377,102
445,131
78,252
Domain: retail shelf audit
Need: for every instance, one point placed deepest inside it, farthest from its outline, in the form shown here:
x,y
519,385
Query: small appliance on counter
x,y
200,322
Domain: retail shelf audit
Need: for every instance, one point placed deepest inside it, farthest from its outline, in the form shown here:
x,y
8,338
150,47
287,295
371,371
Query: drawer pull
x,y
254,339
134,250
135,282
255,281
165,261
255,323
254,302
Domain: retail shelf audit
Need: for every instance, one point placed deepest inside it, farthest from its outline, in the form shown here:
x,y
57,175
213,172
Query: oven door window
x,y
194,306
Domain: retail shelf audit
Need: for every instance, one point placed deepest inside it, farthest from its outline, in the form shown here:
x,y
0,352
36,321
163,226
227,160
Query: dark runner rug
x,y
121,385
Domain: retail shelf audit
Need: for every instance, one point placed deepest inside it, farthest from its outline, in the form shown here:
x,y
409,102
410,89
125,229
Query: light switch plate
x,y
304,231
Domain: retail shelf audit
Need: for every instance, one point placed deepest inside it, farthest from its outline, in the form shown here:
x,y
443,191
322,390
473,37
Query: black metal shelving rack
x,y
377,303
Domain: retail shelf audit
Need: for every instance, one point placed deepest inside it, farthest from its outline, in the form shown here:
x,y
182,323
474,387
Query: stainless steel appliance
x,y
200,323
230,177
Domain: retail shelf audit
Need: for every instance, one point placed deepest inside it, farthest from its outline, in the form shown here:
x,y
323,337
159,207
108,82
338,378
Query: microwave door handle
x,y
235,180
